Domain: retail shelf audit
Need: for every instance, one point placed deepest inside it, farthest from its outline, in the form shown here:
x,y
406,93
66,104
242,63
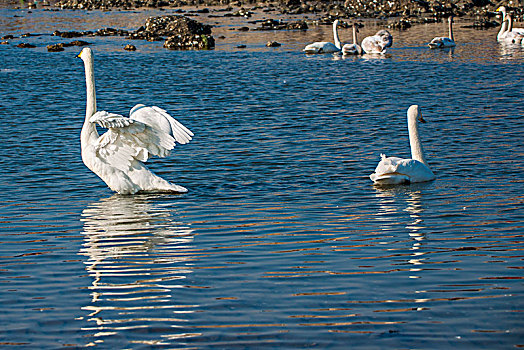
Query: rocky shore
x,y
418,11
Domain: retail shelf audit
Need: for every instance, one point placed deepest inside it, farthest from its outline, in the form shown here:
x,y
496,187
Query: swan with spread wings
x,y
118,155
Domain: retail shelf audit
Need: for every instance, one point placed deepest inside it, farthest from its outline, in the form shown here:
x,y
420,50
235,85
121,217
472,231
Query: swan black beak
x,y
420,119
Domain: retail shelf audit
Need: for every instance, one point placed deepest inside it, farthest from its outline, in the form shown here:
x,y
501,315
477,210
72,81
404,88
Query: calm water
x,y
282,242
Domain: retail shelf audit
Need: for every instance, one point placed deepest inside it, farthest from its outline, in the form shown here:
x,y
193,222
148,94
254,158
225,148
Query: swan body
x,y
118,156
442,41
505,28
324,46
394,170
353,48
378,43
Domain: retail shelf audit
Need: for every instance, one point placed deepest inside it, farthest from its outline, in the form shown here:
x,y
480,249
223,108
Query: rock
x,y
182,32
241,46
243,29
55,48
273,44
71,34
78,43
26,46
401,24
190,41
130,47
272,24
4,43
7,37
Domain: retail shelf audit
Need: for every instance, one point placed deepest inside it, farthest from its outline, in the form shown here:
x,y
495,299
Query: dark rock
x,y
243,29
111,32
182,32
79,43
273,44
130,47
55,48
26,46
71,34
273,24
401,24
7,37
190,41
241,46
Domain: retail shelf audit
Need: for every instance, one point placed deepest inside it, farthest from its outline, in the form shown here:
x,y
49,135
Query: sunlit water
x,y
282,242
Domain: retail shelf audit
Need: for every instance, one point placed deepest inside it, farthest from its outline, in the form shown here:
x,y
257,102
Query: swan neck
x,y
417,152
335,35
451,30
355,35
503,28
510,23
89,129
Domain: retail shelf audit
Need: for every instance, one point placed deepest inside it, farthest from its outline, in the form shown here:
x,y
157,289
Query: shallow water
x,y
282,242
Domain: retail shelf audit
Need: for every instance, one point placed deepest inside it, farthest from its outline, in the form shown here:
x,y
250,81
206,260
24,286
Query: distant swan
x,y
393,170
118,155
442,41
504,27
324,46
377,43
354,48
509,36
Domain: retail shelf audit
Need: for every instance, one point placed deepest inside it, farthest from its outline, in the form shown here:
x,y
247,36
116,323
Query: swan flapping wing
x,y
159,119
127,140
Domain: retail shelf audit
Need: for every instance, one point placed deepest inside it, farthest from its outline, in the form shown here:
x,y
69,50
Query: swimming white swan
x,y
509,36
324,46
377,43
118,155
504,26
354,48
442,41
393,170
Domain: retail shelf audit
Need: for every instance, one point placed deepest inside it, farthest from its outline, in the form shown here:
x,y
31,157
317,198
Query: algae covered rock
x,y
179,32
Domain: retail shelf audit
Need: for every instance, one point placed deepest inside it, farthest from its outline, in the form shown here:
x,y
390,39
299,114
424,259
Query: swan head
x,y
415,113
85,53
385,37
501,9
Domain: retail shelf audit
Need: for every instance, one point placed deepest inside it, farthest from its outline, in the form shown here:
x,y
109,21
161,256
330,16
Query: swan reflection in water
x,y
388,197
138,253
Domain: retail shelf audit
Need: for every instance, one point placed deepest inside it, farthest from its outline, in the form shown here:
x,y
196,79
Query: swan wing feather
x,y
158,118
400,168
127,140
372,44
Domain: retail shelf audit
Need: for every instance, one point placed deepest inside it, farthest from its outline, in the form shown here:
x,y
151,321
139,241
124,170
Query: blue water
x,y
281,242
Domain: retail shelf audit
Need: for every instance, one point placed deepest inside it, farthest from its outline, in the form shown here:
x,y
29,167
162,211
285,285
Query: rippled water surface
x,y
281,242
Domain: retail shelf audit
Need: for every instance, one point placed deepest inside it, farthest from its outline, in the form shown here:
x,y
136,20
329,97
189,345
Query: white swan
x,y
377,43
117,156
442,41
324,46
354,48
509,36
393,170
504,26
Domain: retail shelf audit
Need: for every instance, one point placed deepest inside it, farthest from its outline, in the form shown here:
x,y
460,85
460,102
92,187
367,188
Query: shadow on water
x,y
138,254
